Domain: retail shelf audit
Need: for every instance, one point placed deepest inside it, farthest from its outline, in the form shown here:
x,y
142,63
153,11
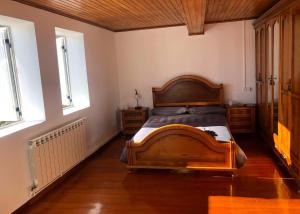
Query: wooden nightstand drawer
x,y
129,118
240,111
133,120
237,119
241,119
134,114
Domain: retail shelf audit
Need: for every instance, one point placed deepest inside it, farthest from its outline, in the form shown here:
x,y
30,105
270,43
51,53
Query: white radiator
x,y
53,154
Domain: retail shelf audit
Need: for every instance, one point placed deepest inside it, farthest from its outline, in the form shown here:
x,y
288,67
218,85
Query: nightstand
x,y
133,119
241,118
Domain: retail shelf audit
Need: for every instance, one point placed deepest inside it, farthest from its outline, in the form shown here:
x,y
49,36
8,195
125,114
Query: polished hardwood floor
x,y
102,185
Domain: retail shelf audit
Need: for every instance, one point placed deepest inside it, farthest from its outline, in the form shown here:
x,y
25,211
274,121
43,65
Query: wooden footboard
x,y
180,146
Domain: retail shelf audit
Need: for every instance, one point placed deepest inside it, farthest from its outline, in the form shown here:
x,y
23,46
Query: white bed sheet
x,y
222,132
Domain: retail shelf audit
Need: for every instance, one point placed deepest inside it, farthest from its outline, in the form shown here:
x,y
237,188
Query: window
x,y
64,75
72,70
10,110
21,94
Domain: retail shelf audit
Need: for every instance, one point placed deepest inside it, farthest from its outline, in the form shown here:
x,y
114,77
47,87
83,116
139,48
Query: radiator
x,y
55,153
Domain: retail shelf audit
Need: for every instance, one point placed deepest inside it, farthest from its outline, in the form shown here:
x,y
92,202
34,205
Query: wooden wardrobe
x,y
278,81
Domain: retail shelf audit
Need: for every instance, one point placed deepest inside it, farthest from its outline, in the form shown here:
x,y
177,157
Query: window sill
x,y
17,127
71,110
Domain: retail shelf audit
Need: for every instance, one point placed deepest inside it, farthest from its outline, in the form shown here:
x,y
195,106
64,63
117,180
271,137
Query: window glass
x,y
72,70
21,94
9,95
64,75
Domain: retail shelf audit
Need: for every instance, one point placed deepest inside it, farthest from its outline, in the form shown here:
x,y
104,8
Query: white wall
x,y
103,90
149,58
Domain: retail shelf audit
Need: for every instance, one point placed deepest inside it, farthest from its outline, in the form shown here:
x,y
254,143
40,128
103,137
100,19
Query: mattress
x,y
222,133
207,122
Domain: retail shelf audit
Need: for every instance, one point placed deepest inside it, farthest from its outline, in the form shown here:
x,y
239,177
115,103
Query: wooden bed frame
x,y
180,146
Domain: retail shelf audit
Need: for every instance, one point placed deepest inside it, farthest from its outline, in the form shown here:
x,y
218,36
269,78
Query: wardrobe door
x,y
258,77
286,52
285,86
295,138
276,71
262,93
270,81
276,65
257,55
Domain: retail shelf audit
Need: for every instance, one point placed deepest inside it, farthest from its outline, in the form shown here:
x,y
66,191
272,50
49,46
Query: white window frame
x,y
13,76
67,71
78,75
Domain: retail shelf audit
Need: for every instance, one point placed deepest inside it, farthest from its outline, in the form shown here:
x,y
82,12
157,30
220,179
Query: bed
x,y
185,139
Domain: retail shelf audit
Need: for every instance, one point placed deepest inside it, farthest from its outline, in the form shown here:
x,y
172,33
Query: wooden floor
x,y
102,185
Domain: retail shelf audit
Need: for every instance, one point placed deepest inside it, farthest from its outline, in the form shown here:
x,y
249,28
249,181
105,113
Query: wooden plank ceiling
x,y
124,15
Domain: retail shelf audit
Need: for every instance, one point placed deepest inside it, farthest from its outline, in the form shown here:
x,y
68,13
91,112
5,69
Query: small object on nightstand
x,y
241,118
133,119
137,96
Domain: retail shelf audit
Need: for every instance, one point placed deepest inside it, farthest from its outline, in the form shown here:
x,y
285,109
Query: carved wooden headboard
x,y
188,90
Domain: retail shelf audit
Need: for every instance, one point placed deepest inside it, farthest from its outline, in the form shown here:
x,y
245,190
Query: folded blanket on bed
x,y
194,120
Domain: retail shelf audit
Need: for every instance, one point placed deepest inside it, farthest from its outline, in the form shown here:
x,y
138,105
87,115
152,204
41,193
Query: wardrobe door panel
x,y
284,109
285,72
286,52
276,65
262,105
270,81
295,141
296,60
284,125
284,129
257,51
258,77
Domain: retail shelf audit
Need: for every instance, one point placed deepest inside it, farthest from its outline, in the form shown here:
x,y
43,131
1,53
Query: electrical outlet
x,y
247,89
